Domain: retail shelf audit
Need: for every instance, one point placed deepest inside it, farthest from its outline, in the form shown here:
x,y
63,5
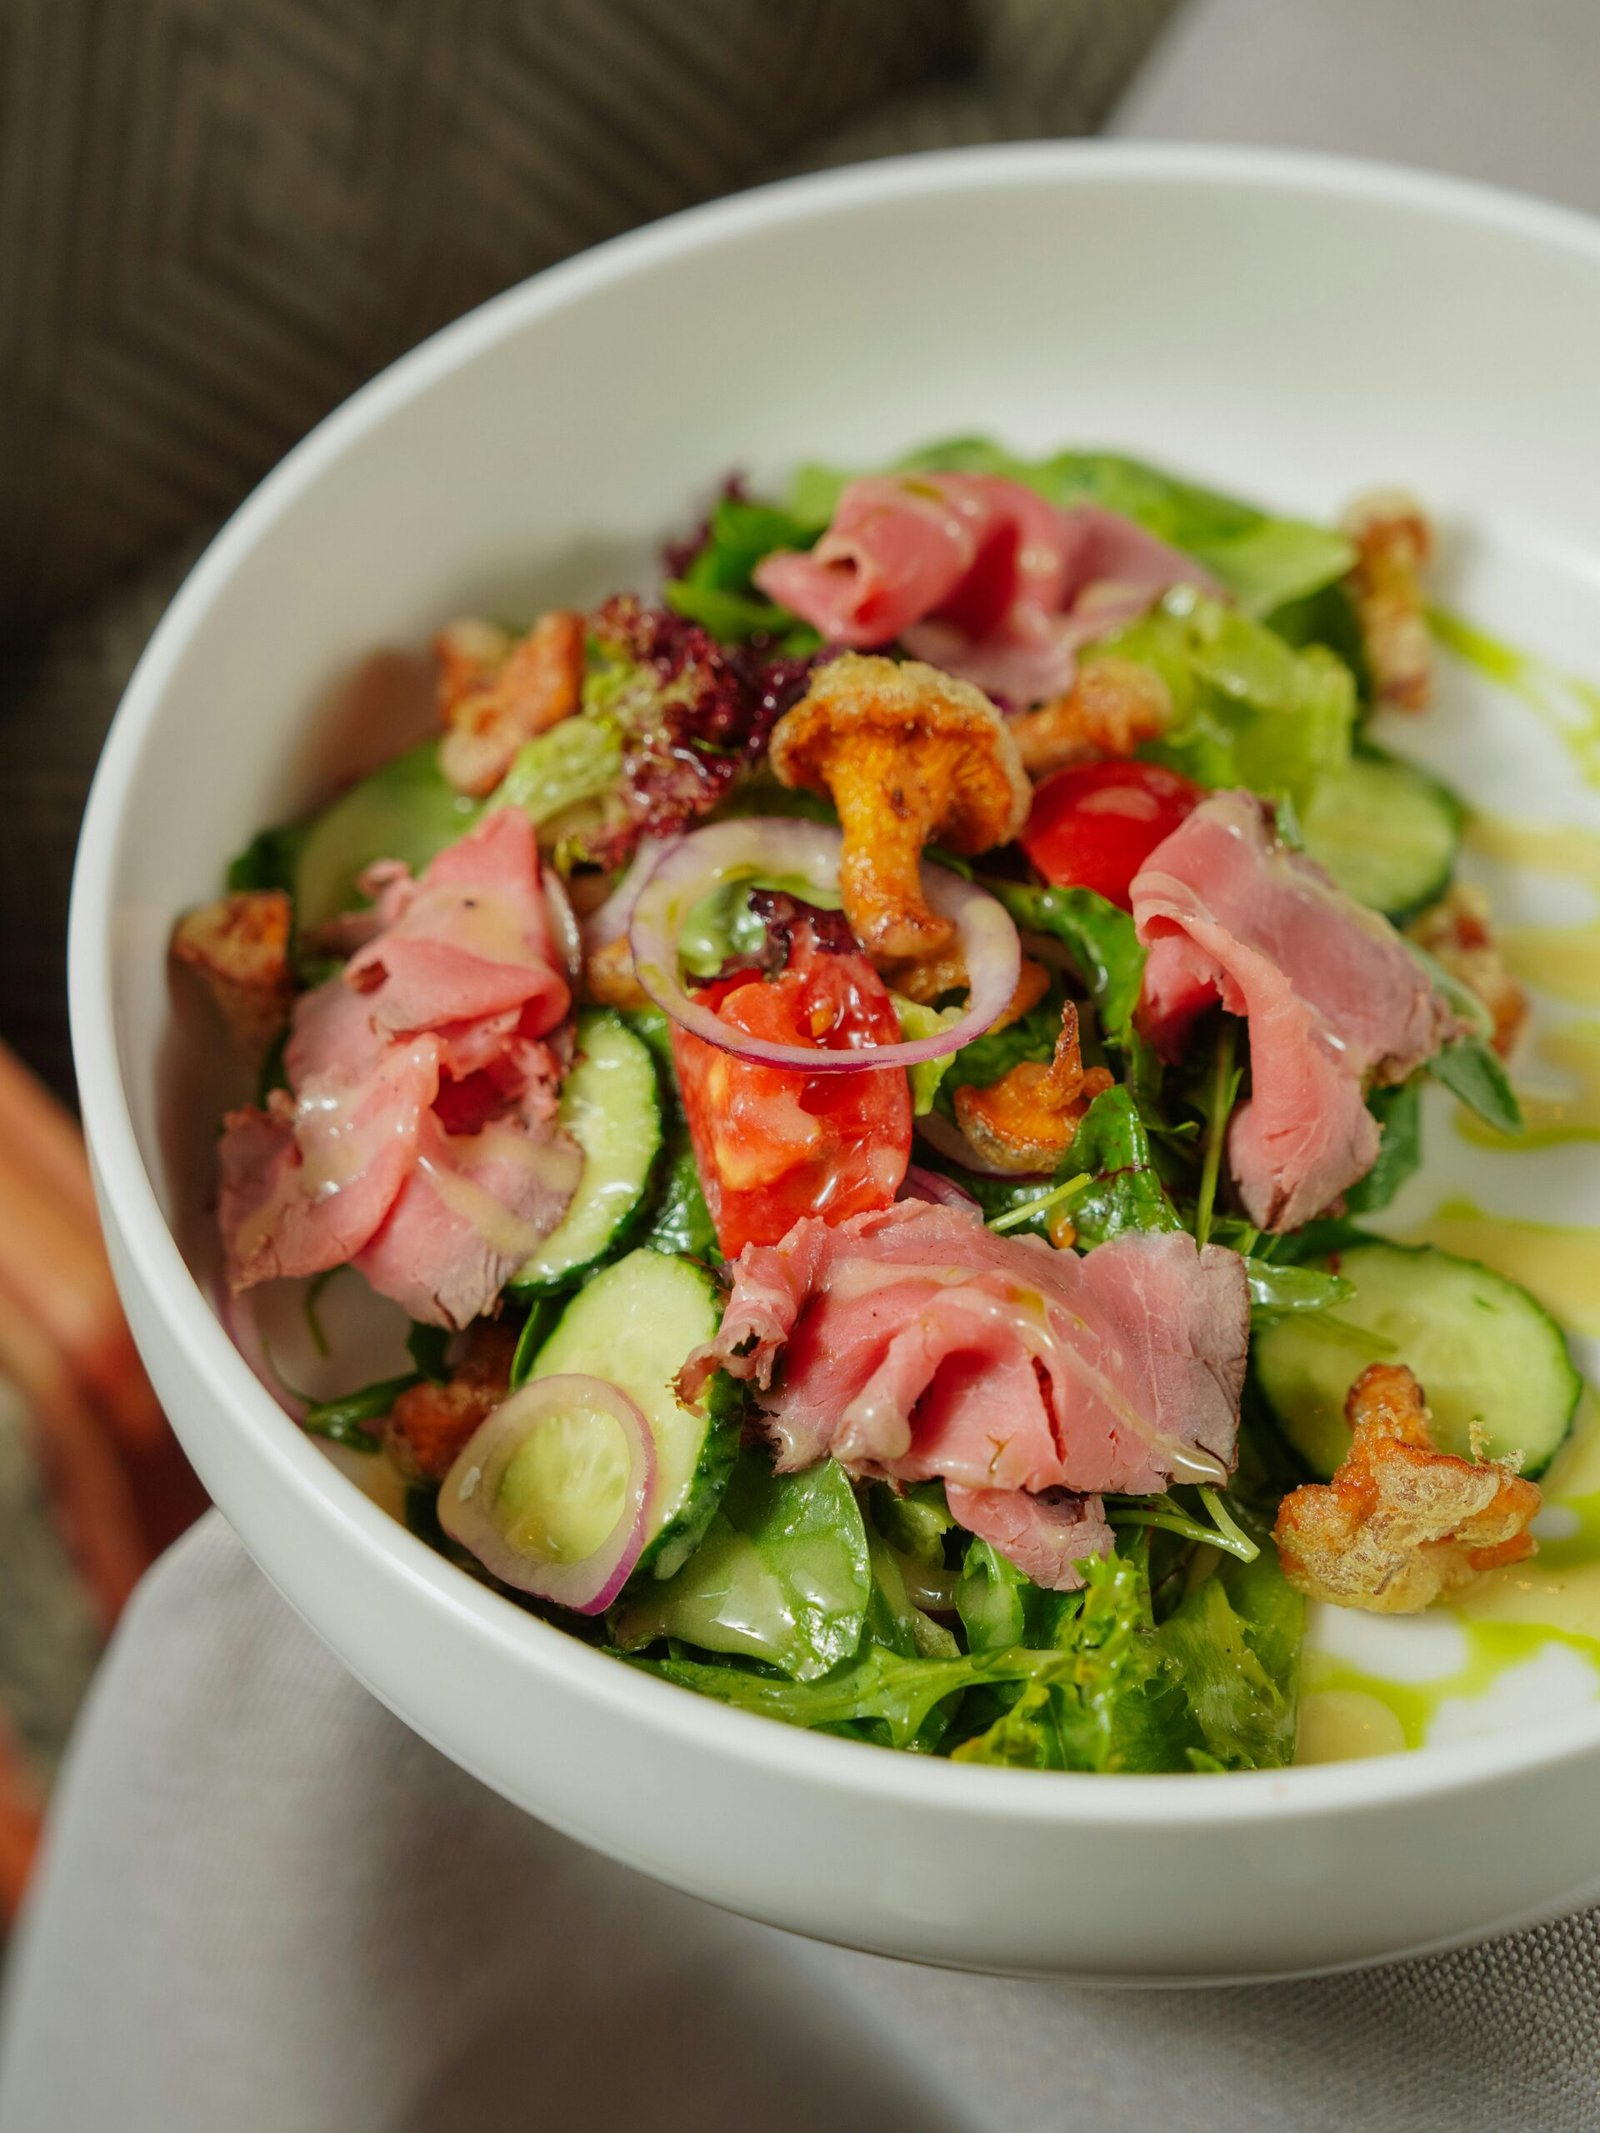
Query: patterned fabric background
x,y
217,218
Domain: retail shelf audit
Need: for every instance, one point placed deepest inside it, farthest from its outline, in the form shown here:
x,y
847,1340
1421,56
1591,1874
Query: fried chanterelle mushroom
x,y
1456,932
1112,706
496,692
909,757
1393,543
239,947
1026,1119
430,1423
1401,1522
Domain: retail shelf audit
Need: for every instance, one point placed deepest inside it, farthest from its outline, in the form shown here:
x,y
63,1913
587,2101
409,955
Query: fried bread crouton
x,y
239,948
496,693
431,1422
909,757
1401,1523
1113,705
1025,1121
1394,543
1456,932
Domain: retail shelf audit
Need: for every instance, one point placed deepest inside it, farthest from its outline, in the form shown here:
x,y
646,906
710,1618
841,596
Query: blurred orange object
x,y
21,1819
119,1486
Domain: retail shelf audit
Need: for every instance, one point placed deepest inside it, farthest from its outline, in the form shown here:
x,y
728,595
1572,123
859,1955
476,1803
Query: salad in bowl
x,y
861,1074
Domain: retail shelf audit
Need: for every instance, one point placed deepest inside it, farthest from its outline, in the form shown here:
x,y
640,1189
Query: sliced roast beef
x,y
976,574
913,1343
417,1134
1332,998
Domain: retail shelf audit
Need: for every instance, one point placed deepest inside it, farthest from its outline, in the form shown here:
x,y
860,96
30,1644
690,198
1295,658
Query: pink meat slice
x,y
471,939
306,1182
1048,1537
912,1343
977,574
1332,999
471,1210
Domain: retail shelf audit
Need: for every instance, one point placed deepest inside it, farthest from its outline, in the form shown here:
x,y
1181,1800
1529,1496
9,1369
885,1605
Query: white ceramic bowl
x,y
1288,327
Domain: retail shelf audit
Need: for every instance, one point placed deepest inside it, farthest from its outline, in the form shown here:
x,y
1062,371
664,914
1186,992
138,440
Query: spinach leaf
x,y
783,1575
680,1222
981,1063
914,1520
1100,939
1277,1289
1112,1146
893,1618
1398,1111
717,589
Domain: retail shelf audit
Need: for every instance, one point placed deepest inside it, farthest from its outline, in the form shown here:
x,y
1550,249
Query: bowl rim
x,y
838,1767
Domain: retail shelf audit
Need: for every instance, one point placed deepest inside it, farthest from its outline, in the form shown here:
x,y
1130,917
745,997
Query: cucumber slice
x,y
635,1324
1385,831
408,810
1482,1349
611,1105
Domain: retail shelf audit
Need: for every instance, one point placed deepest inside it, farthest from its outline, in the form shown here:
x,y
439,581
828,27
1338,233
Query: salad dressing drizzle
x,y
1566,702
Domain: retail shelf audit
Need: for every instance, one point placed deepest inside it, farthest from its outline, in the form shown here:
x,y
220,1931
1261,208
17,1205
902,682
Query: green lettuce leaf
x,y
1100,939
1248,708
1112,1146
783,1575
717,589
890,1695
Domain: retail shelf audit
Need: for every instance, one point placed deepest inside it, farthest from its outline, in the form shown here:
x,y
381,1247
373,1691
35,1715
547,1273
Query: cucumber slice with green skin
x,y
1385,831
408,811
635,1323
1483,1351
611,1105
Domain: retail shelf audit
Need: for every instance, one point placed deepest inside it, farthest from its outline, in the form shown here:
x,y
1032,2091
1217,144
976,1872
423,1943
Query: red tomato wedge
x,y
1093,827
773,1145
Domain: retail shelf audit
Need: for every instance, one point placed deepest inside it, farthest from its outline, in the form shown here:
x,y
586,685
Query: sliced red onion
x,y
589,1457
238,1316
920,1184
775,844
954,1146
610,920
563,921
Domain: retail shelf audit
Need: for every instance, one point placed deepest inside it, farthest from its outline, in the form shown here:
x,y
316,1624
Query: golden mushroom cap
x,y
935,718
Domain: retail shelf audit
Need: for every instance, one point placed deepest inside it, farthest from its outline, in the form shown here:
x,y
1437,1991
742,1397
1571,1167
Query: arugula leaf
x,y
1398,1111
1113,1147
342,1421
1472,1070
783,1575
1100,939
1278,1289
878,1688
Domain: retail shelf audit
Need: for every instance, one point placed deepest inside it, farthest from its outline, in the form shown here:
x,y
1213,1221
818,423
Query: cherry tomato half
x,y
773,1144
1093,827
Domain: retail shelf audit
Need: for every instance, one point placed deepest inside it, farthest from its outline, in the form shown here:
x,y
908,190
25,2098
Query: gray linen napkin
x,y
267,1906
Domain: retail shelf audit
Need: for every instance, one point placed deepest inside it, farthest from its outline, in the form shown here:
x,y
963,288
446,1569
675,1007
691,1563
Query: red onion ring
x,y
777,844
610,920
563,921
238,1316
467,1501
920,1184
